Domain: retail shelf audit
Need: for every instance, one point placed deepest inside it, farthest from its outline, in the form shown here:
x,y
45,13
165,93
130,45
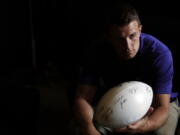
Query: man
x,y
127,54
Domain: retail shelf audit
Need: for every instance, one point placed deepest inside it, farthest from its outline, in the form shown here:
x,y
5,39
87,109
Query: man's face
x,y
126,39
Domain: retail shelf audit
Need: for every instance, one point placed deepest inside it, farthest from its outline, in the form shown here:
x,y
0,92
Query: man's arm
x,y
160,113
83,110
153,121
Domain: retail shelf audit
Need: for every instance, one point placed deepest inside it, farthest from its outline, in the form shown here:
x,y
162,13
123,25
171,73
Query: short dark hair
x,y
122,15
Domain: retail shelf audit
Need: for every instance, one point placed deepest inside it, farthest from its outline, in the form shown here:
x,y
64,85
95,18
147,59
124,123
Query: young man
x,y
126,54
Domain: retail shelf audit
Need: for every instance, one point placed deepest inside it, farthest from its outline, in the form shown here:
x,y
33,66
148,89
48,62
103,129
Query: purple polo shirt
x,y
153,65
162,63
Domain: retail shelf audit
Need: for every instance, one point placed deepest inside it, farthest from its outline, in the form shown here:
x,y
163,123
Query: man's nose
x,y
128,45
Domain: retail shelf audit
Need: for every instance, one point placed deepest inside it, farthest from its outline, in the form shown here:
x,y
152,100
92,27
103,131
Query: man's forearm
x,y
83,112
156,119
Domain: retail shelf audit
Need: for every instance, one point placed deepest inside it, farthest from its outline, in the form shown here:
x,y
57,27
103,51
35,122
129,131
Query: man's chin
x,y
127,57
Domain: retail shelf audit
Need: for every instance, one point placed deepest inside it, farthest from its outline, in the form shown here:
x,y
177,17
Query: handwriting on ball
x,y
121,100
107,113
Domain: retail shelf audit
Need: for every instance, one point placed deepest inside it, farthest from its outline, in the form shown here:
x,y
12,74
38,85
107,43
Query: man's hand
x,y
136,127
91,130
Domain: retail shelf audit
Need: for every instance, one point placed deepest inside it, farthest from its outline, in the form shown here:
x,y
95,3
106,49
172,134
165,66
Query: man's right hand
x,y
91,130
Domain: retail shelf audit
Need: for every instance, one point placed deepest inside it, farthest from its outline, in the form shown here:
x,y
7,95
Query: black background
x,y
44,35
61,30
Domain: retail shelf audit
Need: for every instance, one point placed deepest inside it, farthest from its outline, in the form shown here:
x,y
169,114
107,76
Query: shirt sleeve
x,y
163,73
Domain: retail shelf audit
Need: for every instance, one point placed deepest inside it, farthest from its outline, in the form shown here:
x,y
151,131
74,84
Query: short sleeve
x,y
163,73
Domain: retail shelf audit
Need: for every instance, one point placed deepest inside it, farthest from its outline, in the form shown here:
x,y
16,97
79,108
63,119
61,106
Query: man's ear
x,y
140,28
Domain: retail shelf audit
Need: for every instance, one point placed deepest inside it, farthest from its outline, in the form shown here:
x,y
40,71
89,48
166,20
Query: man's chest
x,y
114,73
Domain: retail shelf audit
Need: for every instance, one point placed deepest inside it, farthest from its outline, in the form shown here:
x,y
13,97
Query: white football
x,y
124,104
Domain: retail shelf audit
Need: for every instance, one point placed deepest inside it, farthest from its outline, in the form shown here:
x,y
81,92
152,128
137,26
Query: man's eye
x,y
132,36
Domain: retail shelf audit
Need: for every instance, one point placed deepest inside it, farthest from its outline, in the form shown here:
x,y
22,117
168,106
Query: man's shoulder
x,y
149,39
151,44
147,36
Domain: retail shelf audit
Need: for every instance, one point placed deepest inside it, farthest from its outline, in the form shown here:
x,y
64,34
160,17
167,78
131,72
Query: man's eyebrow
x,y
133,33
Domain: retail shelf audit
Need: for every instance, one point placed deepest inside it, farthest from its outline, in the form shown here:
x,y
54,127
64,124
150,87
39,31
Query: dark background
x,y
61,29
46,39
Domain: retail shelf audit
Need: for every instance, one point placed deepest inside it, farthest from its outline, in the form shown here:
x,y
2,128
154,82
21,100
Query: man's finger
x,y
120,129
151,109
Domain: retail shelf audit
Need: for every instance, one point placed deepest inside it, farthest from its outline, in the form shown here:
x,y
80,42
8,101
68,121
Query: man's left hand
x,y
136,127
